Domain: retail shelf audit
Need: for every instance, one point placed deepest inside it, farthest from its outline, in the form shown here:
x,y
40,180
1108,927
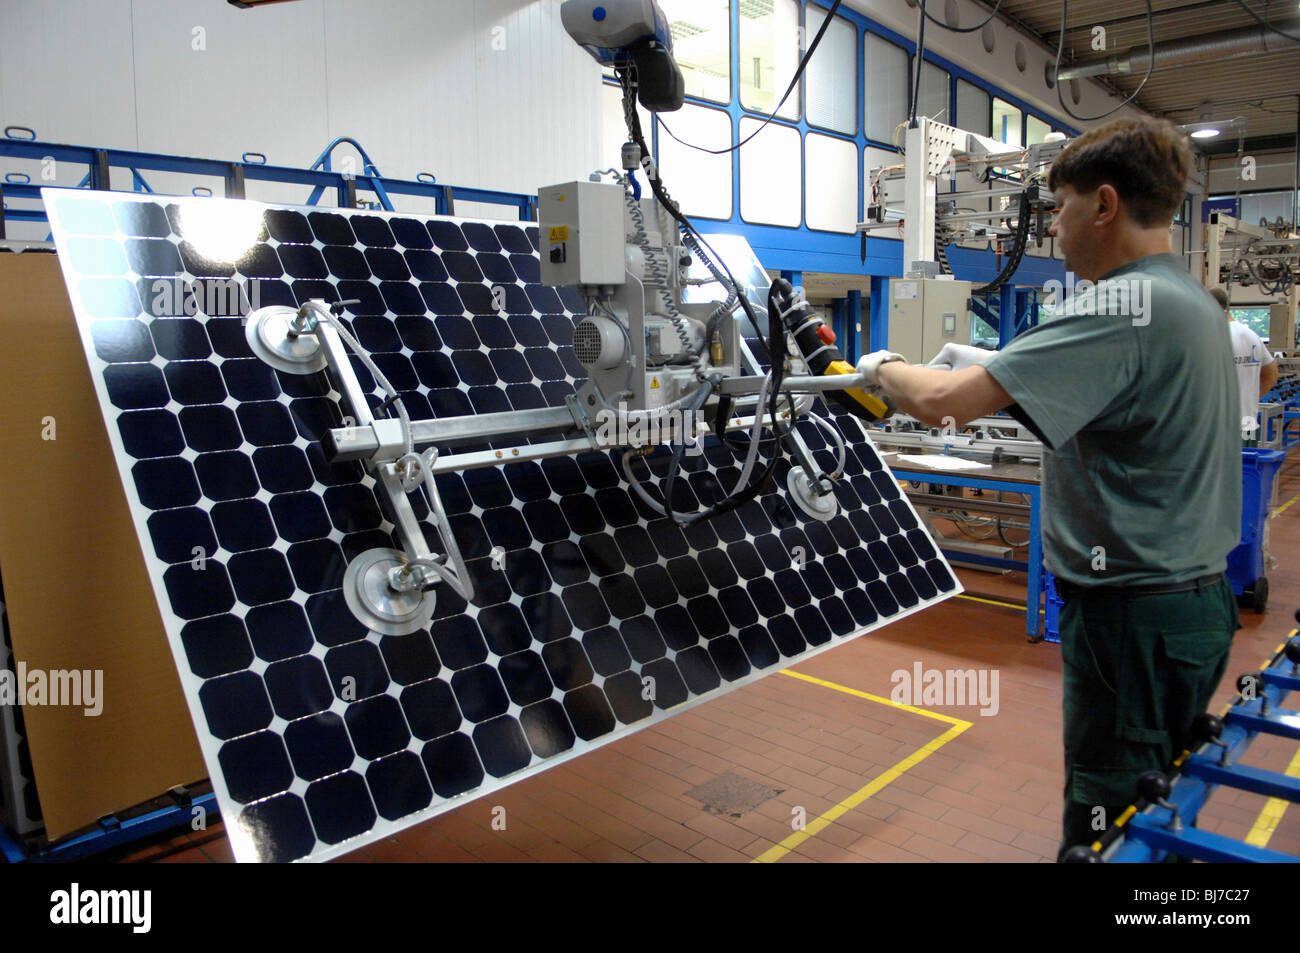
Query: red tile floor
x,y
855,778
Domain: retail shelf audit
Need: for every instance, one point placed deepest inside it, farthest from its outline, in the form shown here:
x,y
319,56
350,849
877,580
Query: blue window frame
x,y
803,247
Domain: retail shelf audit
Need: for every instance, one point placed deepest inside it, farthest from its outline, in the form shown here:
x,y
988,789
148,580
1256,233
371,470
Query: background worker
x,y
1139,419
1256,369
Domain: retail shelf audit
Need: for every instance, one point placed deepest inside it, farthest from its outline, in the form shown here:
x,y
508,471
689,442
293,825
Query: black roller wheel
x,y
1257,595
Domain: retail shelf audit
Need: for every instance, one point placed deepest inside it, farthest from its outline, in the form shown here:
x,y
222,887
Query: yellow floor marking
x,y
1274,807
1273,810
1281,509
773,854
994,602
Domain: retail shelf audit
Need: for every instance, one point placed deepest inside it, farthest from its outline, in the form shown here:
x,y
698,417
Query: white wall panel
x,y
490,94
215,81
831,189
66,70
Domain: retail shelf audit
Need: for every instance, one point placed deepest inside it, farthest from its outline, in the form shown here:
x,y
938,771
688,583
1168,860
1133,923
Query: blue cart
x,y
1246,562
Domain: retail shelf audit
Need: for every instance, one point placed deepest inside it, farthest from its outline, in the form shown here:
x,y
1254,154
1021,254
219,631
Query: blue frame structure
x,y
346,186
807,249
1032,565
1150,834
779,248
109,833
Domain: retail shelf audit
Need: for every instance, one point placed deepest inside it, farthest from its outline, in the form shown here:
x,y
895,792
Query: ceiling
x,y
1260,87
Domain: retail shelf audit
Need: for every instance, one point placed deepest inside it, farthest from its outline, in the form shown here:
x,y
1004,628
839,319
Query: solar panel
x,y
593,615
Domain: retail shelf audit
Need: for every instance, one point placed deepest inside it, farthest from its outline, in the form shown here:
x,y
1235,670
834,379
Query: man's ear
x,y
1108,209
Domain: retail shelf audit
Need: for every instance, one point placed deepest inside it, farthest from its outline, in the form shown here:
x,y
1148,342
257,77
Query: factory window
x,y
701,32
831,184
1035,130
769,55
1006,123
833,79
884,87
771,171
973,105
1257,319
1267,205
933,101
701,183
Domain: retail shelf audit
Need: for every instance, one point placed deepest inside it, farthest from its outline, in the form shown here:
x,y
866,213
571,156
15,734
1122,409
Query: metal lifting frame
x,y
284,336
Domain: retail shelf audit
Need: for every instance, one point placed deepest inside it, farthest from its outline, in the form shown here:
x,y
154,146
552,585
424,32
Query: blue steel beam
x,y
1006,315
1244,777
1200,845
1283,723
878,327
853,320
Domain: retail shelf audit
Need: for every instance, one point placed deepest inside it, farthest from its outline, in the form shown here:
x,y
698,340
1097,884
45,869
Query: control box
x,y
581,233
927,313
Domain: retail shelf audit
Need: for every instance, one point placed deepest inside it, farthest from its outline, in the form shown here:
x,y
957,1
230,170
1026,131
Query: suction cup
x,y
805,495
268,335
375,603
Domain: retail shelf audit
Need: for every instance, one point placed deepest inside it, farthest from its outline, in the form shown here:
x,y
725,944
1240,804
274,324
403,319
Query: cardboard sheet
x,y
75,584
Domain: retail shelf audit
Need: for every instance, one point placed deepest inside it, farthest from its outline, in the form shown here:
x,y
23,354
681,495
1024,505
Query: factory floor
x,y
815,764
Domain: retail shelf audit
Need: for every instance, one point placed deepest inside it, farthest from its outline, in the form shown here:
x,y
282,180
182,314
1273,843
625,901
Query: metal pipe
x,y
1232,43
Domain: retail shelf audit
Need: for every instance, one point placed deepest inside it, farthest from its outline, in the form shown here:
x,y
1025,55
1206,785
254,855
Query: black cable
x,y
803,63
1263,22
633,119
774,343
1017,250
965,29
776,354
915,93
698,400
1151,62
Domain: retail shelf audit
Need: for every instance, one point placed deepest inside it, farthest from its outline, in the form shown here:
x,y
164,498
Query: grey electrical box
x,y
581,232
1281,326
927,313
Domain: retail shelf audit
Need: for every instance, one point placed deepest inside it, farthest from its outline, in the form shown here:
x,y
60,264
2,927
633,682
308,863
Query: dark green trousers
x,y
1138,670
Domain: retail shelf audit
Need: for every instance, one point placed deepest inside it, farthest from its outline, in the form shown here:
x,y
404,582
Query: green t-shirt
x,y
1131,387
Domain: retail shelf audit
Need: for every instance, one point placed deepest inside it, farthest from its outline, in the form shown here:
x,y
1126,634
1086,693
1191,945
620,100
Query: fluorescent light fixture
x,y
1209,133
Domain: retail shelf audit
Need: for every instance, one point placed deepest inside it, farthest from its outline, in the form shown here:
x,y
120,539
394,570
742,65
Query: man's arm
x,y
1267,378
930,394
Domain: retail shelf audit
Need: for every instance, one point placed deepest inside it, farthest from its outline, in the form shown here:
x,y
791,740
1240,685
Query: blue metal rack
x,y
111,832
1159,826
20,142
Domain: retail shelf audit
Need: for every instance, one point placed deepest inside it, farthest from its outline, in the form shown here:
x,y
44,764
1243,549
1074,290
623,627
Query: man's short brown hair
x,y
1146,160
1221,296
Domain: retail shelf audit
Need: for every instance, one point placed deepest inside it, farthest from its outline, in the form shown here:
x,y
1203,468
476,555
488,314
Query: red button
x,y
826,334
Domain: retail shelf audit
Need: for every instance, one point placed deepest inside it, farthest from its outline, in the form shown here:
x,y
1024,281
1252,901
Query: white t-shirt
x,y
1249,353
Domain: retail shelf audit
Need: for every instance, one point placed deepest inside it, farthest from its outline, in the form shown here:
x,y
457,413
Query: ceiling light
x,y
1209,133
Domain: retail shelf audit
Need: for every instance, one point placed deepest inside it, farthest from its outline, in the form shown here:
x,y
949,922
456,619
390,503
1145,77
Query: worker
x,y
1137,410
1256,370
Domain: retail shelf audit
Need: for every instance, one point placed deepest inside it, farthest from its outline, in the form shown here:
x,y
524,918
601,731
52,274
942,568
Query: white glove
x,y
958,357
869,365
